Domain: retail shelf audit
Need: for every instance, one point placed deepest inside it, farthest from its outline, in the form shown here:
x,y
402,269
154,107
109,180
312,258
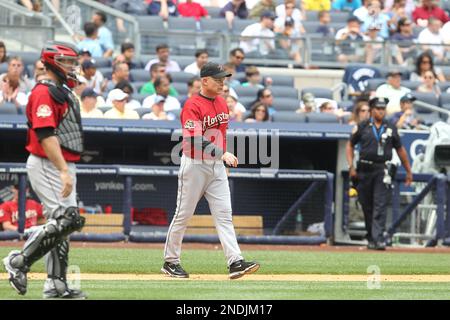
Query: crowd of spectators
x,y
370,23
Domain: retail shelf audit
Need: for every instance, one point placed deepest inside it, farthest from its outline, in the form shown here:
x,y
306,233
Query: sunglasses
x,y
239,57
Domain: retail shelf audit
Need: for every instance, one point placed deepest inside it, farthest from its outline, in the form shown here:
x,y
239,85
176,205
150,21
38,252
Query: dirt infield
x,y
208,246
251,277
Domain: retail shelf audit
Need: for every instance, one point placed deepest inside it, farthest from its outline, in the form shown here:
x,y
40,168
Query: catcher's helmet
x,y
62,59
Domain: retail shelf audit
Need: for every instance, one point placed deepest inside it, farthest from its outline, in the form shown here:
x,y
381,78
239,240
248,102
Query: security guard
x,y
376,137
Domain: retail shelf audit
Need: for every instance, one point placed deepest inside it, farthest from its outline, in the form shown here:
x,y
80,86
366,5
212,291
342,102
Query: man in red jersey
x,y
204,120
55,143
9,212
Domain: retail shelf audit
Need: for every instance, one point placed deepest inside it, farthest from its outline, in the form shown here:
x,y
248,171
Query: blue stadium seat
x,y
103,62
288,116
104,108
176,113
413,85
247,101
240,24
279,80
181,76
139,97
27,57
107,72
181,23
338,17
285,104
384,70
318,92
314,117
444,85
8,108
311,26
150,23
214,12
181,88
373,84
283,91
183,62
3,67
140,75
138,85
214,25
346,105
444,100
426,97
246,91
142,111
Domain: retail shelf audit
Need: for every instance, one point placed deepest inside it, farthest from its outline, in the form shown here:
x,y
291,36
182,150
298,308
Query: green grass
x,y
149,261
243,290
105,260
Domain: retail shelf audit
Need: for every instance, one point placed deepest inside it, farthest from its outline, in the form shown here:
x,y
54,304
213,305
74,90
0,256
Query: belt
x,y
366,165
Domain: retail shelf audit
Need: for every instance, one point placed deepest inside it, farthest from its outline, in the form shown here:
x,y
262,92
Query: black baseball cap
x,y
88,92
395,72
89,63
214,70
268,14
378,102
408,98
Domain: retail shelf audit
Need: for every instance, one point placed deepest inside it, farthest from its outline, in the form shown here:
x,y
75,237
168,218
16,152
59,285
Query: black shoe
x,y
380,246
17,276
67,294
242,267
174,270
371,245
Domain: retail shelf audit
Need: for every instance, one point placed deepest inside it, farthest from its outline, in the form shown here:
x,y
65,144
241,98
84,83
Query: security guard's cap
x,y
378,102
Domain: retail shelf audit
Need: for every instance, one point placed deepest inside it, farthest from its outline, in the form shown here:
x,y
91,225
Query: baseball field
x,y
132,271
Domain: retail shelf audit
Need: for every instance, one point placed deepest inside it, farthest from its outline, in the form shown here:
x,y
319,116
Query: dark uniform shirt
x,y
371,139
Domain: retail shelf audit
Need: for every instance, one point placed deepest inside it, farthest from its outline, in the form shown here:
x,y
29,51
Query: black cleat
x,y
174,270
242,267
17,276
371,245
67,294
380,246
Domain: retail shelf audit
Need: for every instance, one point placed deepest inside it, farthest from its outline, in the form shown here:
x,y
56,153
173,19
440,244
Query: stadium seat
x,y
240,24
373,84
413,85
181,23
138,85
285,104
104,108
430,118
338,16
181,88
176,113
346,105
246,91
140,75
288,116
384,70
8,108
142,111
279,80
247,101
314,117
444,101
214,25
27,57
139,97
286,92
3,67
311,26
183,62
318,92
106,72
150,23
181,76
426,97
444,85
103,62
214,12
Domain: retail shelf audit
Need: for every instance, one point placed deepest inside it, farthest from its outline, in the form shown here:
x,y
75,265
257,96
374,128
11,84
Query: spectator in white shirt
x,y
118,111
9,92
158,112
288,12
88,104
392,90
260,29
162,87
432,38
95,79
201,58
162,51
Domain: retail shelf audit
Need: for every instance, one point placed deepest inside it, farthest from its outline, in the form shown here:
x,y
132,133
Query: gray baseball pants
x,y
195,179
